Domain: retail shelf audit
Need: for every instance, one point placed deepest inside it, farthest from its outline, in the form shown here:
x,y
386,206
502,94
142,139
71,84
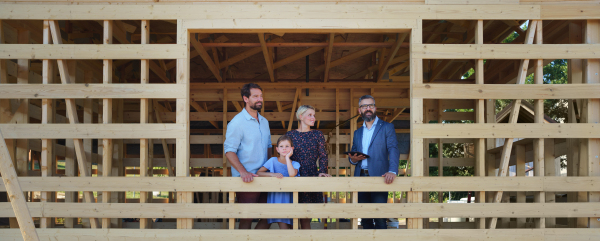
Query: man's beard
x,y
255,106
368,119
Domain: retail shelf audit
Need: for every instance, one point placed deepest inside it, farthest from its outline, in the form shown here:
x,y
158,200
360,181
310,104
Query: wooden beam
x,y
241,11
329,52
91,91
592,36
293,109
47,154
344,184
91,51
335,235
107,116
199,108
507,51
204,55
144,119
506,91
73,119
391,55
17,199
346,210
268,57
342,60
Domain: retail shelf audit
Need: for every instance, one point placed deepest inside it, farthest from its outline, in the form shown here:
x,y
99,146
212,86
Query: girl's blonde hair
x,y
302,110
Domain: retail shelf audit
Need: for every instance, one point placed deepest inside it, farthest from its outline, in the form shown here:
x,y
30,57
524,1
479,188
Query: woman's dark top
x,y
308,147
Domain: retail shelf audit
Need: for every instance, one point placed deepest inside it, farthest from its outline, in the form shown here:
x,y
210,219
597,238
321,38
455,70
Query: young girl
x,y
281,167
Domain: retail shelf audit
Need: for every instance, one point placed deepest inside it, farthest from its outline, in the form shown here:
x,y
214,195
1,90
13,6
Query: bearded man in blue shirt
x,y
248,146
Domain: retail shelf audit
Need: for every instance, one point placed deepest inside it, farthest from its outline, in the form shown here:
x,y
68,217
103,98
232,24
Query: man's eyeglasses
x,y
369,106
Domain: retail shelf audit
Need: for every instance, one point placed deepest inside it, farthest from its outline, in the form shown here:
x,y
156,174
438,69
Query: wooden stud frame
x,y
264,18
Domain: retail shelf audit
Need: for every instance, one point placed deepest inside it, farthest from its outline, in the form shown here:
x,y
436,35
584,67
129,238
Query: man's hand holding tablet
x,y
356,156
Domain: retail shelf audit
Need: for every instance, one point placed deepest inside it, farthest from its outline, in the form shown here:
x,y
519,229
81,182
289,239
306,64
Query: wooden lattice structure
x,y
92,86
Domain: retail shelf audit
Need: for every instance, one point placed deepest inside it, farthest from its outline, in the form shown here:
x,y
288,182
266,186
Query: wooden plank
x,y
317,235
107,117
416,117
92,131
267,55
507,51
467,2
144,118
91,51
391,55
285,85
277,12
568,130
346,210
538,144
344,184
204,55
294,105
72,115
328,53
183,118
91,91
47,151
17,199
514,116
488,91
592,36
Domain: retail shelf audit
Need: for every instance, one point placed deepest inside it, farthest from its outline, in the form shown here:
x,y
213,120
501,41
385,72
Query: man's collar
x,y
248,116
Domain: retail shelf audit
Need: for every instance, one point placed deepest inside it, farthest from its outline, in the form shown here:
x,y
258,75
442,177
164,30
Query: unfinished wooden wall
x,y
105,119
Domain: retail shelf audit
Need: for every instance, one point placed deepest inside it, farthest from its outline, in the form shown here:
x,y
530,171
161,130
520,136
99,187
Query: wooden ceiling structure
x,y
146,84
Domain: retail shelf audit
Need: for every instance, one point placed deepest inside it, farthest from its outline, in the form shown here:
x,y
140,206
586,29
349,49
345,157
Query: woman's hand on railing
x,y
324,175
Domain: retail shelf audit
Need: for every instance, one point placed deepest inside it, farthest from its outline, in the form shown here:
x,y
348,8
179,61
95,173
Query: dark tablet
x,y
356,152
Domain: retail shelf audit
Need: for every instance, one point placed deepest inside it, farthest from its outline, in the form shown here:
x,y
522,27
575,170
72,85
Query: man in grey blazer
x,y
377,139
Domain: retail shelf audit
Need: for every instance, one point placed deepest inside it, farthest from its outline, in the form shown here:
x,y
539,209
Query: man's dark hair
x,y
246,89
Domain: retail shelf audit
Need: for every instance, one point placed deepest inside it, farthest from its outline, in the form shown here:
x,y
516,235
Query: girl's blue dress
x,y
275,166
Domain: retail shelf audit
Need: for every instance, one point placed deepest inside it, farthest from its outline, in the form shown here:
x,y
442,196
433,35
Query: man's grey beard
x,y
368,119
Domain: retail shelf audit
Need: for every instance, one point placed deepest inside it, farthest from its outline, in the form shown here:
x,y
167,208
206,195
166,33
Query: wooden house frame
x,y
425,99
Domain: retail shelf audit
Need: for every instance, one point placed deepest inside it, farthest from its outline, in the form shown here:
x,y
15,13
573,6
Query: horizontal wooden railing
x,y
309,184
316,235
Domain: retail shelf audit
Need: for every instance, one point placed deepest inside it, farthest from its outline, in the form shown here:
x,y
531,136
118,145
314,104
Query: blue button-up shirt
x,y
366,141
249,139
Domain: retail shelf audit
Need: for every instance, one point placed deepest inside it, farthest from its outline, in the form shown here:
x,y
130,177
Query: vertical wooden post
x,y
479,118
592,74
440,143
15,193
520,164
70,171
550,170
538,144
107,116
183,117
231,201
514,115
144,79
416,118
295,201
337,143
47,163
231,197
575,76
21,115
